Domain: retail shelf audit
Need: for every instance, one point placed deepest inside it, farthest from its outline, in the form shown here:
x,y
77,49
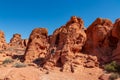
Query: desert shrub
x,y
7,61
114,76
112,67
19,65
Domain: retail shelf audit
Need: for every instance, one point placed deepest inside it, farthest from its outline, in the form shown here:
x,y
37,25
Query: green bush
x,y
7,61
114,76
112,67
19,65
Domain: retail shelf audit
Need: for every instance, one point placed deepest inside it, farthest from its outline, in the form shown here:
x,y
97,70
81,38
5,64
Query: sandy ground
x,y
33,73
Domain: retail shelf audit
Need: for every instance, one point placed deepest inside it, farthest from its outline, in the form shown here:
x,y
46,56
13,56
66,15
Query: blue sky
x,y
22,16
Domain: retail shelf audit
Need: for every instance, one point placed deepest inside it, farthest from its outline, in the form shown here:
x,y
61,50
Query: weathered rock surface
x,y
98,42
17,41
65,46
37,46
116,29
71,48
104,77
116,34
3,44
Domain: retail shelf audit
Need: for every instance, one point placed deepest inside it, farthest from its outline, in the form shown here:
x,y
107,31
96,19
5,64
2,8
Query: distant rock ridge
x,y
17,41
71,46
14,49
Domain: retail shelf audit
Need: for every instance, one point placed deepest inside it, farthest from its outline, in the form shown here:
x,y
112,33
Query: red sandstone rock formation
x,y
116,29
37,46
17,41
14,49
24,42
65,46
3,44
71,47
116,34
97,43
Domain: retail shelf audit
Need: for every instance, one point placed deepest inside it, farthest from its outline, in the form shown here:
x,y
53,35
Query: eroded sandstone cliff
x,y
71,46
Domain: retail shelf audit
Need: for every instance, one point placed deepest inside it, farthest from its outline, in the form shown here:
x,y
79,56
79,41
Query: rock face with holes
x,y
99,39
37,46
17,41
66,43
3,44
72,46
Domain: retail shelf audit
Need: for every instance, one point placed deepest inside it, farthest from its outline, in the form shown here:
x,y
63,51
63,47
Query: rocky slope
x,y
71,48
